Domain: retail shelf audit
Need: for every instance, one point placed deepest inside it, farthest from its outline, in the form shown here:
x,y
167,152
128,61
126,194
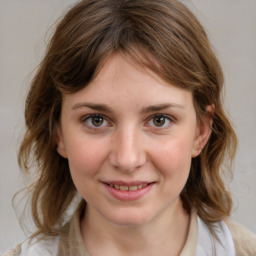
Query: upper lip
x,y
125,183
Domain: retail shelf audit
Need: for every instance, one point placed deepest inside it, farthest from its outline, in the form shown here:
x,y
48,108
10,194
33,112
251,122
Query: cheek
x,y
85,162
85,158
173,160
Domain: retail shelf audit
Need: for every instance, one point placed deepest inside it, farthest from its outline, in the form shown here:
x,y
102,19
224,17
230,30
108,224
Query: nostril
x,y
126,153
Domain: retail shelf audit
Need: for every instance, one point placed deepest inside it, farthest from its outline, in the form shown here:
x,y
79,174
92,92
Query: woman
x,y
125,111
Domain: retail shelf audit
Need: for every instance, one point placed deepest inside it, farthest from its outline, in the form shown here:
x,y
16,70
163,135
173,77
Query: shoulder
x,y
36,247
14,251
69,236
244,239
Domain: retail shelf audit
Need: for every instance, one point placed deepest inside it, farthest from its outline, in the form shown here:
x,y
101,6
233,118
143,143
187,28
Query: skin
x,y
146,131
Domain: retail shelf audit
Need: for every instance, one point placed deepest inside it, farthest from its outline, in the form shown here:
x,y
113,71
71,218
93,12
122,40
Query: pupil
x,y
159,121
97,121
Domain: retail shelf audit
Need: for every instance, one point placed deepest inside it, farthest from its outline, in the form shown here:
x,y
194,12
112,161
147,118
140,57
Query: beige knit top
x,y
70,242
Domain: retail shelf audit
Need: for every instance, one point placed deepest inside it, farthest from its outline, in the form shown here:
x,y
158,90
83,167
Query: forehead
x,y
123,81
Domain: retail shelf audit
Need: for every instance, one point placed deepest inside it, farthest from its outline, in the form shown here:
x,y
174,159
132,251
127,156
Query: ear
x,y
61,149
203,132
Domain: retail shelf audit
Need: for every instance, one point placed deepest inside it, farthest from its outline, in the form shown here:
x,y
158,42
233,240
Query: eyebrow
x,y
99,107
161,107
105,108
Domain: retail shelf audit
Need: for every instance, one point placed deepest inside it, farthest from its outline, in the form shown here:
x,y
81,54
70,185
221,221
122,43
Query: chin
x,y
129,219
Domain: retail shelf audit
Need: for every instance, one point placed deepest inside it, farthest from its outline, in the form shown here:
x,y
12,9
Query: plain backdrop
x,y
231,26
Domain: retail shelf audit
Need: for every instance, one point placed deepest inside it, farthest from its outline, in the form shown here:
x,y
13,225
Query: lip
x,y
128,195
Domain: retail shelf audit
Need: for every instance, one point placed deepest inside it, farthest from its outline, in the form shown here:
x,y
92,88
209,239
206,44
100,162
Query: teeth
x,y
133,188
128,188
124,188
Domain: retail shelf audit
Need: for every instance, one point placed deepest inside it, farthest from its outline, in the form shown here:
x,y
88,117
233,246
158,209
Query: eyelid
x,y
171,118
83,118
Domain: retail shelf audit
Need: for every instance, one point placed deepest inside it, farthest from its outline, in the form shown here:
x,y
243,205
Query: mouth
x,y
128,191
128,187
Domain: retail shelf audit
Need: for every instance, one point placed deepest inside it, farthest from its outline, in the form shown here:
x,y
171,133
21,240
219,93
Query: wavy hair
x,y
163,36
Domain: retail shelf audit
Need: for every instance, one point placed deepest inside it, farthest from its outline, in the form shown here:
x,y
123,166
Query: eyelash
x,y
89,118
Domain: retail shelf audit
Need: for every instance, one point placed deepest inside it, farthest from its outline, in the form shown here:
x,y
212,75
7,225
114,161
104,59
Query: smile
x,y
128,188
131,191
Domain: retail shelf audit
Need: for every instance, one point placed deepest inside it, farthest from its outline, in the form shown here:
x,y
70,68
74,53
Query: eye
x,y
95,121
160,120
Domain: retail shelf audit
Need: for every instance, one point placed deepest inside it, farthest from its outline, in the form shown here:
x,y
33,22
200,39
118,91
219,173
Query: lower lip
x,y
129,195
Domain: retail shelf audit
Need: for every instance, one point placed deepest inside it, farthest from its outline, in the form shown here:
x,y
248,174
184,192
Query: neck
x,y
164,235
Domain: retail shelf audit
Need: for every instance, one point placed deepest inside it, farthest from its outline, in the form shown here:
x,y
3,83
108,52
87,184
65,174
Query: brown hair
x,y
164,31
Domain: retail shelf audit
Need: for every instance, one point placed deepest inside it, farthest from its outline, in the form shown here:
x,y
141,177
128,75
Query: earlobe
x,y
203,132
60,142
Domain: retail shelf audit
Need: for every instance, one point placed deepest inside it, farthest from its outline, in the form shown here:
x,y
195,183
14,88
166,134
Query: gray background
x,y
231,25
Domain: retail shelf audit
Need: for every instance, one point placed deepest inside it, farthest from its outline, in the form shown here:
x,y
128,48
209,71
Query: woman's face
x,y
129,138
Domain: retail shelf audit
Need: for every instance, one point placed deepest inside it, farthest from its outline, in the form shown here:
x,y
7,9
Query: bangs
x,y
155,38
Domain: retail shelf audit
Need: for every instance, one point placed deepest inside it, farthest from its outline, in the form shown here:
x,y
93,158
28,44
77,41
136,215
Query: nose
x,y
127,153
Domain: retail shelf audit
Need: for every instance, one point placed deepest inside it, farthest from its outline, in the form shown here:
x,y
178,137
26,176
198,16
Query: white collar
x,y
48,247
208,245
